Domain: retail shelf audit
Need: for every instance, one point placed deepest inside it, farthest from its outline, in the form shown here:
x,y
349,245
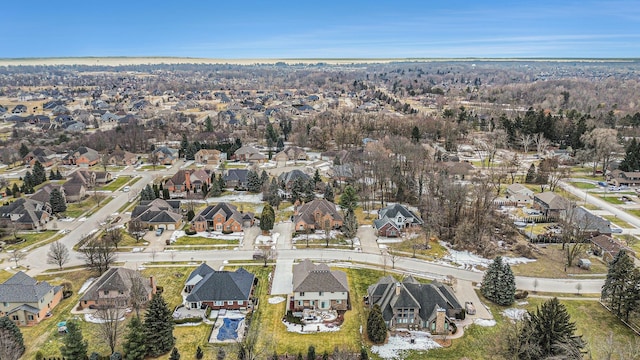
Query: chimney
x,y
152,283
398,288
440,320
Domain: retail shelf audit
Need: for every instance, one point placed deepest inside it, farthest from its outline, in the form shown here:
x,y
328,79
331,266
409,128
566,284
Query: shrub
x,y
159,289
189,320
292,319
190,231
521,295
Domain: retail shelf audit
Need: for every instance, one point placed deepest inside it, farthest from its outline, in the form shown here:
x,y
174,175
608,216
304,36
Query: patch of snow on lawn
x,y
318,235
310,329
469,260
267,239
86,285
239,197
276,300
514,314
484,322
397,345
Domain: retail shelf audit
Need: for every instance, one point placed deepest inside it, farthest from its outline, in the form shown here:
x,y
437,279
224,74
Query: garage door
x,y
171,226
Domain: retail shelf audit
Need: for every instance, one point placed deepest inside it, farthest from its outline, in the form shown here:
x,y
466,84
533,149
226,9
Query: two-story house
x,y
317,214
394,219
114,289
317,287
27,301
222,217
231,290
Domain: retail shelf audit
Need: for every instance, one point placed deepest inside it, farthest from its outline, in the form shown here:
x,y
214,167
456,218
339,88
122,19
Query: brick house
x,y
317,214
231,290
319,288
222,217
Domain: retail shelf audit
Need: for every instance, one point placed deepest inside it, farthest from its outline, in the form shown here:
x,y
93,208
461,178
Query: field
x,y
583,185
550,263
75,210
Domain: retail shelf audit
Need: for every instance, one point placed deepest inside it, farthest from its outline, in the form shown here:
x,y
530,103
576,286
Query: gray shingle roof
x,y
117,279
221,285
21,288
308,277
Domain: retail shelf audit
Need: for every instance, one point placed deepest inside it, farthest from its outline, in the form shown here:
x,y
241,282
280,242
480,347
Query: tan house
x,y
624,178
208,157
83,157
159,214
249,154
114,287
27,301
608,247
317,215
317,287
222,217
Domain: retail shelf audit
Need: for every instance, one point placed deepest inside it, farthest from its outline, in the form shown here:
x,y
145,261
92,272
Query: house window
x,y
15,317
301,227
320,293
218,227
300,303
106,292
193,305
241,302
30,317
218,303
302,293
338,301
230,302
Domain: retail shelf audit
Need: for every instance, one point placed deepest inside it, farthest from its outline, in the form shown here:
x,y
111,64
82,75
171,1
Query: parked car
x,y
126,189
159,231
469,308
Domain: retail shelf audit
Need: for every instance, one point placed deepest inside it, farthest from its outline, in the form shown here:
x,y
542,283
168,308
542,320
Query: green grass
x,y
583,185
621,223
172,279
635,213
201,240
611,199
116,184
437,251
4,275
33,238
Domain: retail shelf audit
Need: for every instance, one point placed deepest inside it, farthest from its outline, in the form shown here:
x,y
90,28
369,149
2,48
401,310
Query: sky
x,y
237,29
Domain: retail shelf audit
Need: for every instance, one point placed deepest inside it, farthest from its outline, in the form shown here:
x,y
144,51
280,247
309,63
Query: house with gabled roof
x,y
222,217
519,194
409,304
394,219
186,181
26,214
231,290
27,301
43,194
608,247
317,287
159,214
236,178
114,287
288,178
83,157
165,155
46,157
317,214
550,203
209,157
249,154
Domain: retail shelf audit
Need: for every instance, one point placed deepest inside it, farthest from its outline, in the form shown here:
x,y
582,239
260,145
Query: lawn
x,y
621,223
635,213
75,210
116,184
550,264
201,240
33,238
583,185
436,251
611,199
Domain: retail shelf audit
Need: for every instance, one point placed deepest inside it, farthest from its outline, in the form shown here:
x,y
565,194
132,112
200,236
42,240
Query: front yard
x,y
550,263
31,238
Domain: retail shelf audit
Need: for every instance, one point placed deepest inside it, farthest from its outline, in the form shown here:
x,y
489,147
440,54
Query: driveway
x,y
282,283
285,229
249,239
368,239
465,292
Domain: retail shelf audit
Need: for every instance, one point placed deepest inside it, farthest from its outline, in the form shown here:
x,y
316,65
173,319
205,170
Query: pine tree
x,y
617,283
415,134
311,353
264,177
57,202
11,341
267,219
39,174
175,354
253,182
328,193
349,199
208,125
631,161
271,194
147,193
27,180
15,191
74,346
199,353
531,175
376,327
350,225
24,150
309,191
547,328
158,327
52,175
316,177
58,175
297,189
499,284
134,346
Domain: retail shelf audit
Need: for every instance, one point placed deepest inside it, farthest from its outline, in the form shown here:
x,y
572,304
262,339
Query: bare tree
x,y
393,257
109,328
137,229
114,236
18,256
98,255
267,253
603,144
541,143
153,253
154,159
138,295
526,140
58,254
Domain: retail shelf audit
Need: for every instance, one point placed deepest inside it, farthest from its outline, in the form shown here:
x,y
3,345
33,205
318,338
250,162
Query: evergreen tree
x,y
531,175
24,150
215,189
199,353
297,189
280,144
376,327
8,191
316,177
415,134
11,341
158,327
165,194
253,182
74,346
264,177
364,355
58,175
39,174
618,282
328,193
175,354
309,191
267,219
15,191
631,161
499,284
147,193
135,343
57,202
115,356
545,330
208,125
27,181
271,194
311,353
221,182
349,199
52,175
350,225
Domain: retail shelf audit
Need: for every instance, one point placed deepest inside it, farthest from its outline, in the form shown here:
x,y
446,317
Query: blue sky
x,y
320,29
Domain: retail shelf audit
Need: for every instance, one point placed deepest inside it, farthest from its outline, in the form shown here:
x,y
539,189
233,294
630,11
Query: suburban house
x,y
83,157
317,214
165,155
287,179
249,154
519,194
292,153
80,181
608,247
236,178
46,157
394,219
27,301
43,195
587,222
410,304
187,181
550,204
222,217
317,287
114,289
122,158
624,178
25,214
231,290
159,214
209,157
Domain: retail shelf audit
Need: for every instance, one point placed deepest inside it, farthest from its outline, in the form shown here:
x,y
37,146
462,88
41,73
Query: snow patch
x,y
514,314
239,197
468,260
397,345
276,300
86,285
484,322
310,329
